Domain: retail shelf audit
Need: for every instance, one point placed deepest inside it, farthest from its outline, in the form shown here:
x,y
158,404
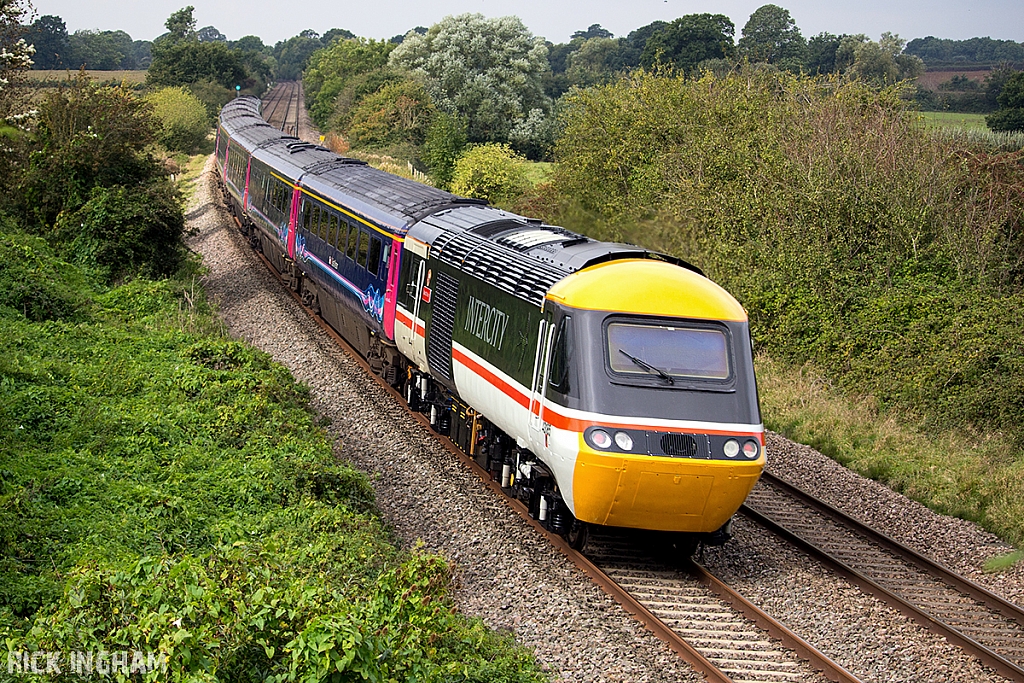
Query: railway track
x,y
282,105
975,619
732,640
725,636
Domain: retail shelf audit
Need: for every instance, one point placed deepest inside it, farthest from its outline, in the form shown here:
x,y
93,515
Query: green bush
x,y
184,123
167,491
445,142
87,135
212,95
125,231
892,258
33,282
492,172
399,113
1008,120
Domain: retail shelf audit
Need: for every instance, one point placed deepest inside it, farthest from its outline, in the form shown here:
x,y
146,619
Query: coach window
x,y
342,235
373,262
353,239
364,247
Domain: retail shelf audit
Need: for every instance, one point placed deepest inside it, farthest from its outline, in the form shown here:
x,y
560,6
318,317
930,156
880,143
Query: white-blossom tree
x,y
487,71
15,53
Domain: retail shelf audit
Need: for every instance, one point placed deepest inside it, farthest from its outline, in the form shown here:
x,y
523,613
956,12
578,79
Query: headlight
x,y
624,441
601,438
731,448
751,449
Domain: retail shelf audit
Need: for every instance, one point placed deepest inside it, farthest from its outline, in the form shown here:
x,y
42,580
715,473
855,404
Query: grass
x,y
949,119
973,476
539,172
165,488
972,128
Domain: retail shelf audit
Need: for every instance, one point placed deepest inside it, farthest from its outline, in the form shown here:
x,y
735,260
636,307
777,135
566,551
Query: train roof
x,y
384,198
522,256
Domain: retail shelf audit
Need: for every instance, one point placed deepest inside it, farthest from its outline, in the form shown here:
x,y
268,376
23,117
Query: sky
x,y
554,20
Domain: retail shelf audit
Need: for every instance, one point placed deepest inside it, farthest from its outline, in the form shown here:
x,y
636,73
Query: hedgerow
x,y
166,489
885,258
854,238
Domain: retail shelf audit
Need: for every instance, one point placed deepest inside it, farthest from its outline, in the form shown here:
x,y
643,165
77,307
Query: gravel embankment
x,y
513,579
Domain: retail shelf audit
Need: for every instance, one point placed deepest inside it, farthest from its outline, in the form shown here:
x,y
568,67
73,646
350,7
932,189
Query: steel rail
x,y
687,652
817,659
966,586
987,656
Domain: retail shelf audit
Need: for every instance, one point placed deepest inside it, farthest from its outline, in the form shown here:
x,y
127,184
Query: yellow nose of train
x,y
701,485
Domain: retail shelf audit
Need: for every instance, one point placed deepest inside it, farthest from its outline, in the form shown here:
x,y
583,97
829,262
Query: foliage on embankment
x,y
166,489
891,259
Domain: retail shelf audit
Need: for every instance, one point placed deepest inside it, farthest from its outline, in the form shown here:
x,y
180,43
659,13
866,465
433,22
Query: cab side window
x,y
560,375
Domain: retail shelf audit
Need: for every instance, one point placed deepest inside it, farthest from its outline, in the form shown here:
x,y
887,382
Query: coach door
x,y
415,339
541,366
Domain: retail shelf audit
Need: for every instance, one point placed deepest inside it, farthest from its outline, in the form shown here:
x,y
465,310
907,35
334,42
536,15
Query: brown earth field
x,y
134,77
932,79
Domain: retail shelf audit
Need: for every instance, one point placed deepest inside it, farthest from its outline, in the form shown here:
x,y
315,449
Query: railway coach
x,y
601,383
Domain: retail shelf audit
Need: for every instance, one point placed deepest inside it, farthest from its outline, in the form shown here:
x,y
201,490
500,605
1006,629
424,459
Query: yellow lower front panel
x,y
666,494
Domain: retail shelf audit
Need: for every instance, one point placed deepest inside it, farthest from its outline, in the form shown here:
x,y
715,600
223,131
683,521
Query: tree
x,y
328,37
396,114
821,53
189,61
689,40
771,36
882,63
633,45
209,34
333,69
212,70
101,50
49,36
446,140
995,81
595,31
492,172
249,44
141,55
183,120
596,61
293,55
1010,116
488,71
181,25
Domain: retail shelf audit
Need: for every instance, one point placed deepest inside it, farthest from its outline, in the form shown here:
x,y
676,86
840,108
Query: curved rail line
x,y
714,628
977,620
722,660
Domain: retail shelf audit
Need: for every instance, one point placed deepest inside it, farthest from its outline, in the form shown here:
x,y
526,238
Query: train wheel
x,y
577,534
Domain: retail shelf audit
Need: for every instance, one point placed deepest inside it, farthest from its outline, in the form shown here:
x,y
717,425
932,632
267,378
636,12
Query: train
x,y
602,384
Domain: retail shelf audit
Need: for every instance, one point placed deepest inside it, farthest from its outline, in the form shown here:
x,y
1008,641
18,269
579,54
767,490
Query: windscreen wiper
x,y
648,367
